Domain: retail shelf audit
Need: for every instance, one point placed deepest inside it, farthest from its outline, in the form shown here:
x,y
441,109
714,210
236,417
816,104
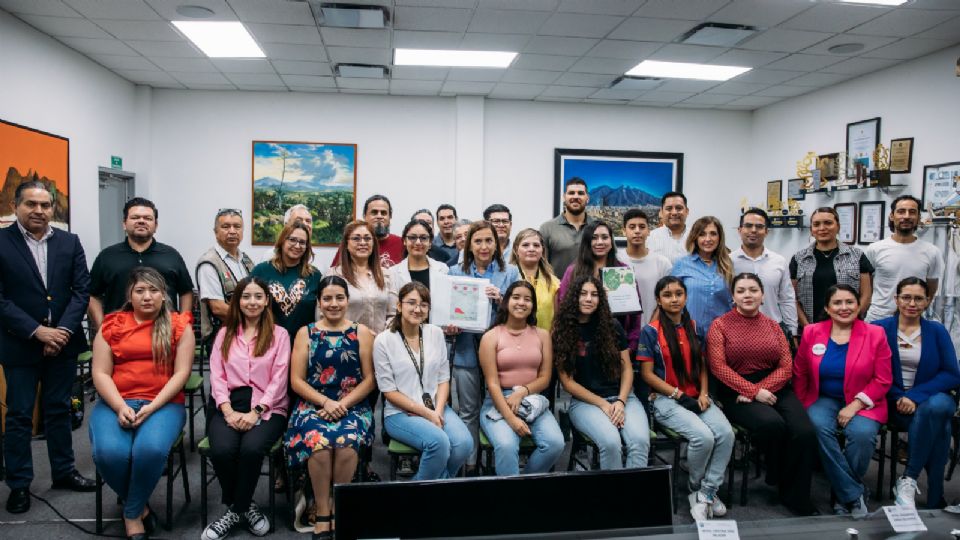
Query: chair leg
x,y
190,419
99,482
894,457
272,476
676,468
183,474
881,466
169,524
203,491
745,472
394,463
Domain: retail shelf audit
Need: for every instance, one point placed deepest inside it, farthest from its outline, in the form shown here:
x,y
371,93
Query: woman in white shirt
x,y
417,266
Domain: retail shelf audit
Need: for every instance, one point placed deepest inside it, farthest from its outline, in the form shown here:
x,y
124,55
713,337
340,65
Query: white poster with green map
x,y
460,301
622,293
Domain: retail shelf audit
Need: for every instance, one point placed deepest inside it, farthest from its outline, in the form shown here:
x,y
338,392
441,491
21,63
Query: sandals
x,y
323,535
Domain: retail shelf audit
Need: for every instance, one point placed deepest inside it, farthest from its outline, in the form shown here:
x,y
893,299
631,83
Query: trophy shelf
x,y
829,191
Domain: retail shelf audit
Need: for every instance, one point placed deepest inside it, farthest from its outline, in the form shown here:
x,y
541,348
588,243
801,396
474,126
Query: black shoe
x,y
138,536
75,482
804,510
150,521
19,501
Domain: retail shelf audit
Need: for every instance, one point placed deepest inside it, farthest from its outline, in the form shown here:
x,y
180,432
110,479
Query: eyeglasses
x,y
361,239
425,306
413,238
757,226
909,299
229,212
297,242
499,221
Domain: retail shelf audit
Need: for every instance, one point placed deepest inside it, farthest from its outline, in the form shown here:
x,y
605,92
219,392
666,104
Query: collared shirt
x,y
780,300
267,375
708,294
38,248
108,277
450,252
661,241
563,241
209,282
368,304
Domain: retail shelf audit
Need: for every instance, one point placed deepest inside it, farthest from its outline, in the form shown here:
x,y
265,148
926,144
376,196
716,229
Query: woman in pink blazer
x,y
841,375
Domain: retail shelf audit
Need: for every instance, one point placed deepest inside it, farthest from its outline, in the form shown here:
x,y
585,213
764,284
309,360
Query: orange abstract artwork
x,y
27,154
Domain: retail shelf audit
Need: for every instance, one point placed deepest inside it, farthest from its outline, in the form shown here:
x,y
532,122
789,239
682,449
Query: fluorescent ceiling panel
x,y
430,57
681,70
221,39
874,2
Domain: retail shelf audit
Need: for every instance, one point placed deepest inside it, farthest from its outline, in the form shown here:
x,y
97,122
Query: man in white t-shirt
x,y
901,256
648,267
670,238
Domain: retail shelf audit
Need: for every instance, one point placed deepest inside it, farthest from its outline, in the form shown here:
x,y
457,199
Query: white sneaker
x,y
699,506
858,508
717,508
257,523
220,528
905,492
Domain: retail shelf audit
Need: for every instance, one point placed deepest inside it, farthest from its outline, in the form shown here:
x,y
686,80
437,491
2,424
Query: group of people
x,y
305,356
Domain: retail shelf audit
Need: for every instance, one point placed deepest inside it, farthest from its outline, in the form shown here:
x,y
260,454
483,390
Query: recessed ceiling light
x,y
220,39
362,71
717,34
846,48
874,2
195,12
681,70
448,58
351,15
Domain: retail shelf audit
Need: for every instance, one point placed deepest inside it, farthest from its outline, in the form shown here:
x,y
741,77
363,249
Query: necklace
x,y
829,253
517,341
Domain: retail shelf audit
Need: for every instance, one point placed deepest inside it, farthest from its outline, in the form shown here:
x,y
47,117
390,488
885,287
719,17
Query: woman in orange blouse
x,y
141,360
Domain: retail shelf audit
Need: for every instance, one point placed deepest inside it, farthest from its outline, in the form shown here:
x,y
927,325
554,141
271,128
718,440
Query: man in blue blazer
x,y
44,286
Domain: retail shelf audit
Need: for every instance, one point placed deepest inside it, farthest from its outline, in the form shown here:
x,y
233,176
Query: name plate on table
x,y
904,519
621,286
460,301
718,529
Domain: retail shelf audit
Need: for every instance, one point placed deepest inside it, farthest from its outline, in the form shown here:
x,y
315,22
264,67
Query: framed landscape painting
x,y
619,180
321,176
30,154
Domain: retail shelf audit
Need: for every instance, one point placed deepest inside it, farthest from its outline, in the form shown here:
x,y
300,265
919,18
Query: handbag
x,y
240,398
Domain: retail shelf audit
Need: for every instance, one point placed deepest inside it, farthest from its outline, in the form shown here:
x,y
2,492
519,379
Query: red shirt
x,y
653,348
134,372
390,248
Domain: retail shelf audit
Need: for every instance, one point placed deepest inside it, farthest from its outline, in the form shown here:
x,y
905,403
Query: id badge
x,y
427,401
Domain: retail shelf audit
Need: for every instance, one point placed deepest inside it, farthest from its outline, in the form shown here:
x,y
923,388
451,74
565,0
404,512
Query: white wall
x,y
49,87
919,99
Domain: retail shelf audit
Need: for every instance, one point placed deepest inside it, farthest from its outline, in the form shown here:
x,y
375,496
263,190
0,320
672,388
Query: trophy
x,y
880,175
794,213
842,164
744,205
804,167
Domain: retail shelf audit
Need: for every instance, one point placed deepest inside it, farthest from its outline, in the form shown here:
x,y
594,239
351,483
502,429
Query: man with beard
x,y
108,277
445,242
562,234
377,212
901,256
670,238
502,220
779,297
219,269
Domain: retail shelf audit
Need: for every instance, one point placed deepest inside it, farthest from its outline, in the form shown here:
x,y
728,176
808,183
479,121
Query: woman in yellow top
x,y
529,254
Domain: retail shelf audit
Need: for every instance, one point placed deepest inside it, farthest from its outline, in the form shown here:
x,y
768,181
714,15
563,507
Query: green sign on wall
x,y
116,162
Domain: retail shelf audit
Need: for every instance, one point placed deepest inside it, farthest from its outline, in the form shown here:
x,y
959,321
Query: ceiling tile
x,y
195,65
910,48
945,30
168,10
464,87
652,103
767,76
359,55
737,88
242,65
612,93
755,101
628,50
833,17
759,12
711,99
661,96
859,66
903,22
568,91
226,86
607,7
171,49
805,62
285,33
499,21
544,61
273,11
682,85
420,73
742,58
784,91
475,74
416,88
530,76
262,87
869,43
563,46
781,40
190,78
130,10
312,81
123,62
52,8
640,28
292,67
147,77
141,30
818,79
688,9
378,91
441,19
536,5
603,65
254,79
686,53
931,4
286,51
569,24
65,26
585,79
98,46
606,101
517,91
355,37
493,42
436,3
406,39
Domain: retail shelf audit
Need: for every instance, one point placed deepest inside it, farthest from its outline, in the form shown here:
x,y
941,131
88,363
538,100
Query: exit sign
x,y
116,162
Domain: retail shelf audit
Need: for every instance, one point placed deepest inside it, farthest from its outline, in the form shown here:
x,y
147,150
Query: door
x,y
116,188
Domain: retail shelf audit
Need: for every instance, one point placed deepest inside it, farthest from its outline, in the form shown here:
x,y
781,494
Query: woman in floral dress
x,y
332,372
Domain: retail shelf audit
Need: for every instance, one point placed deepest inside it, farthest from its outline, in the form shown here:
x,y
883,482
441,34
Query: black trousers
x,y
238,455
56,377
786,436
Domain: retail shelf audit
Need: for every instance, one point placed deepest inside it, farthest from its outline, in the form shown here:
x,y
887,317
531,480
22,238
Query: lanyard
x,y
417,366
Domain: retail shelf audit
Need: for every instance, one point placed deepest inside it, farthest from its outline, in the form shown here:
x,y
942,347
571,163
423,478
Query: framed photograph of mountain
x,y
30,154
320,176
617,181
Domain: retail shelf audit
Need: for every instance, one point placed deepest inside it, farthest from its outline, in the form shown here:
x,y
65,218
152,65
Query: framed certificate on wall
x,y
871,222
848,222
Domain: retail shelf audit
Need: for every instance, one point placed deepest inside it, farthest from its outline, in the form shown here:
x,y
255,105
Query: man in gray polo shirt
x,y
562,233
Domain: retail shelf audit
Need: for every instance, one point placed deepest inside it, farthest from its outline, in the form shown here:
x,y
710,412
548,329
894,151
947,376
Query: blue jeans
x,y
929,431
506,443
131,461
442,451
709,441
593,422
844,468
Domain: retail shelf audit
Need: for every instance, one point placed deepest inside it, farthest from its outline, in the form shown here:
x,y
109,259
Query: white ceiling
x,y
570,50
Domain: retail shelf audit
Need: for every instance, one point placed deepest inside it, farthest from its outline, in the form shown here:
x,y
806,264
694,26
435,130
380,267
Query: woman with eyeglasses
x,y
371,294
529,254
417,266
824,263
414,375
291,279
924,364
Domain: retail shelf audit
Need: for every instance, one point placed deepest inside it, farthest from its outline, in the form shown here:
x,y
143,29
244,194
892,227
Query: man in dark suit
x,y
43,295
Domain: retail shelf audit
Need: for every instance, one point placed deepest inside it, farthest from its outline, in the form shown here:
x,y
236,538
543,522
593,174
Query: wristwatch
x,y
259,410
